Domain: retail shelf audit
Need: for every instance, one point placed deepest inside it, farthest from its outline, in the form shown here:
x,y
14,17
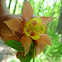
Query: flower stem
x,y
34,55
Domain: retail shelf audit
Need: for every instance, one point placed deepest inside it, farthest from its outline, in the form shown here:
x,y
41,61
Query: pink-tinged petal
x,y
44,39
5,38
46,19
27,11
26,42
5,31
39,48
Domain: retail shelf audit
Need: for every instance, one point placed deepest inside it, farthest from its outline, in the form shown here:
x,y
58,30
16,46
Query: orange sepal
x,y
5,38
44,39
5,31
39,48
46,19
14,24
27,11
26,42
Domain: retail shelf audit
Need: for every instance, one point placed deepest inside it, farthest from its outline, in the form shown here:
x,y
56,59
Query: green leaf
x,y
27,58
15,44
32,45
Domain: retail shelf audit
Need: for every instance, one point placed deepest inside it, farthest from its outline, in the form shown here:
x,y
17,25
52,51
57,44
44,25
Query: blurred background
x,y
43,8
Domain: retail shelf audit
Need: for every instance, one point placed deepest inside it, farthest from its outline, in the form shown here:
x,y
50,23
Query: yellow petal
x,y
35,21
25,31
46,19
26,42
27,11
44,39
35,36
14,24
41,30
5,31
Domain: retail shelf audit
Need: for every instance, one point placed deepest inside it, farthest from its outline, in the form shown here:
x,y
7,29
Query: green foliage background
x,y
44,8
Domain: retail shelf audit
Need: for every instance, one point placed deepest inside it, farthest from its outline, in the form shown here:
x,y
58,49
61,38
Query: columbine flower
x,y
33,28
27,30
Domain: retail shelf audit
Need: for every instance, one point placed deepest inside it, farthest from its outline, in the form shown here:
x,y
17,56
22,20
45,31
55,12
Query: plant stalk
x,y
34,55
